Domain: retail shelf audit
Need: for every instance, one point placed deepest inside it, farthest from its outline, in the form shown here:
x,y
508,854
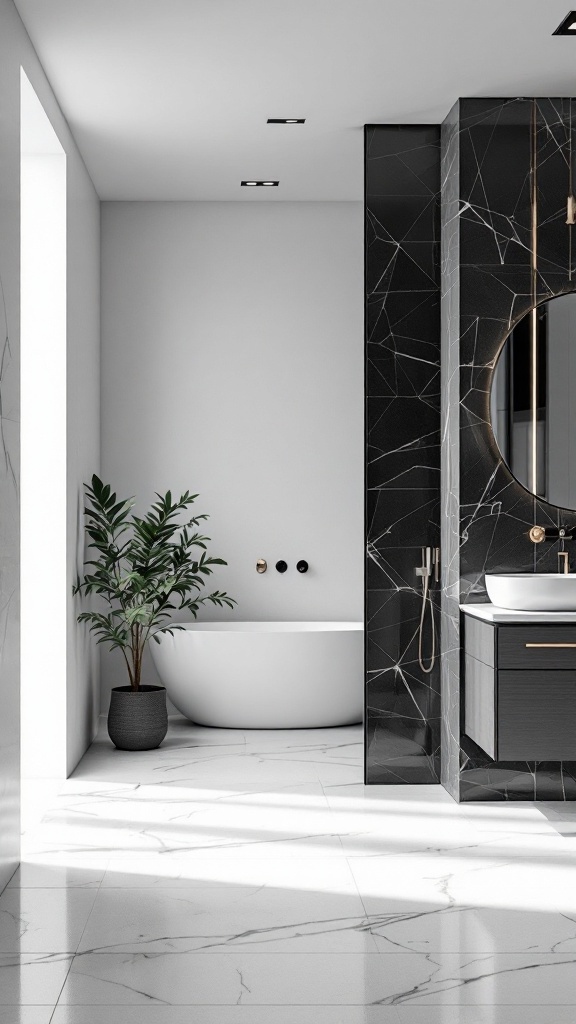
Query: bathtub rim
x,y
265,627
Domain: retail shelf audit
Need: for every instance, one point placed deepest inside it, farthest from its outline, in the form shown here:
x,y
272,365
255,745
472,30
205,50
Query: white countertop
x,y
490,613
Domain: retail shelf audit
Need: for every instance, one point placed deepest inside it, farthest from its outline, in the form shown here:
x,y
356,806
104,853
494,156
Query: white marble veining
x,y
256,918
251,878
337,979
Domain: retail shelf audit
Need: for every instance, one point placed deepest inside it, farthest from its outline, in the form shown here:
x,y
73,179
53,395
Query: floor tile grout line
x,y
569,956
330,808
97,893
546,957
61,988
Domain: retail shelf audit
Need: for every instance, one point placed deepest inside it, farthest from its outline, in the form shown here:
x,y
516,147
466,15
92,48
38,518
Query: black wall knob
x,y
302,565
281,566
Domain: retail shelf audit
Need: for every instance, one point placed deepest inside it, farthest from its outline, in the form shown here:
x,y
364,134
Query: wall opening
x,y
43,446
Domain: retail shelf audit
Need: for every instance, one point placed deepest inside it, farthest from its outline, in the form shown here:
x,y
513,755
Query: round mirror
x,y
533,401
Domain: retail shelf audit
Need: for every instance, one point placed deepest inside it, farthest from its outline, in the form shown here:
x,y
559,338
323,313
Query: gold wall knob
x,y
537,534
261,565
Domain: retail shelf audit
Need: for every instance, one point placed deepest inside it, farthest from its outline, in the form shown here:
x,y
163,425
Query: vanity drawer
x,y
537,647
536,718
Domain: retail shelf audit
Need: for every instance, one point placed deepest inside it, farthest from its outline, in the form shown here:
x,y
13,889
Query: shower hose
x,y
426,600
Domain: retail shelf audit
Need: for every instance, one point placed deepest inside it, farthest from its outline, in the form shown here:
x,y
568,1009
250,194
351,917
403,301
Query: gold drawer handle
x,y
550,645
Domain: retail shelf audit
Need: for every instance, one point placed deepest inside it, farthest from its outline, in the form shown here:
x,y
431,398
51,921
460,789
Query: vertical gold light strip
x,y
534,295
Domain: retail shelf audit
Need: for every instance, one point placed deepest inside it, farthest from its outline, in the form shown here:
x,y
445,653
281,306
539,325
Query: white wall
x,y
83,437
42,442
83,420
233,366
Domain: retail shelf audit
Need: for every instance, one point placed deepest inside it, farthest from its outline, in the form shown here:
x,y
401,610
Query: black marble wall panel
x,y
486,287
402,218
450,460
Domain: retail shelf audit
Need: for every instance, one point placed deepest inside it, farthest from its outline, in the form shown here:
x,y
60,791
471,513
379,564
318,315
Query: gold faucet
x,y
560,533
563,562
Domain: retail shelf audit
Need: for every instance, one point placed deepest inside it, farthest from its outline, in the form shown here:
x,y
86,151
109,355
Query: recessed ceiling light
x,y
568,25
269,183
286,120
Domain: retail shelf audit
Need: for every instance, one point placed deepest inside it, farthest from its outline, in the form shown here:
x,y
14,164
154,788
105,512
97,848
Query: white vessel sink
x,y
533,591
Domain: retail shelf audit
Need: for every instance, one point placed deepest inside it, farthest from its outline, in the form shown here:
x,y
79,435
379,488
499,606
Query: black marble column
x,y
402,218
486,288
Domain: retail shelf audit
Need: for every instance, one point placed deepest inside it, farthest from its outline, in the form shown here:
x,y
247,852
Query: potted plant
x,y
145,569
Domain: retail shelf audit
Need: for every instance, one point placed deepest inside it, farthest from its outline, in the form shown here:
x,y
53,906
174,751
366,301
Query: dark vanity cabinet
x,y
520,689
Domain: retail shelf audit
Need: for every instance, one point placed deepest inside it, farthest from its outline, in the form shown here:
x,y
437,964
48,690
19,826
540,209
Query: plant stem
x,y
128,666
137,640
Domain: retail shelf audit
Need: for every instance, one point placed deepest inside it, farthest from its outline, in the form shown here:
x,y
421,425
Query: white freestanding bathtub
x,y
264,675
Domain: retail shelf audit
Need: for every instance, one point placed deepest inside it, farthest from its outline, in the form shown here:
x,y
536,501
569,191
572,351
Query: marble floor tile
x,y
55,875
241,877
512,978
457,929
338,979
241,979
36,795
31,979
360,796
492,819
230,917
229,849
179,808
485,1014
468,878
43,920
377,822
242,766
374,820
191,756
27,1014
255,820
301,874
158,1014
561,816
336,756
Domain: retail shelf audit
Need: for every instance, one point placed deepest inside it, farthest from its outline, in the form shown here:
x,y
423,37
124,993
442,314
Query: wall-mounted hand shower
x,y
430,564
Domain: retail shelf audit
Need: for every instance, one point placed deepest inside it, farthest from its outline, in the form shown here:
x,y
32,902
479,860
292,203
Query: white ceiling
x,y
168,99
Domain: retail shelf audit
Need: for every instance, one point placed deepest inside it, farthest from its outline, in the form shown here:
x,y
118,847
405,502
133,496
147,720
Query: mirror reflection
x,y
533,401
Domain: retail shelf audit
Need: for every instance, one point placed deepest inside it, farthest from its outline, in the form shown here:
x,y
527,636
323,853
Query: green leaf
x,y
142,567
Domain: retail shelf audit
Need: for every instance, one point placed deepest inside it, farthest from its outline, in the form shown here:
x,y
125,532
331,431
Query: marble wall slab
x,y
402,446
486,287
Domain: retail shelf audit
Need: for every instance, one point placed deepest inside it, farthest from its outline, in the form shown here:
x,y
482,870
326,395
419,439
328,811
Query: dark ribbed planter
x,y
137,720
